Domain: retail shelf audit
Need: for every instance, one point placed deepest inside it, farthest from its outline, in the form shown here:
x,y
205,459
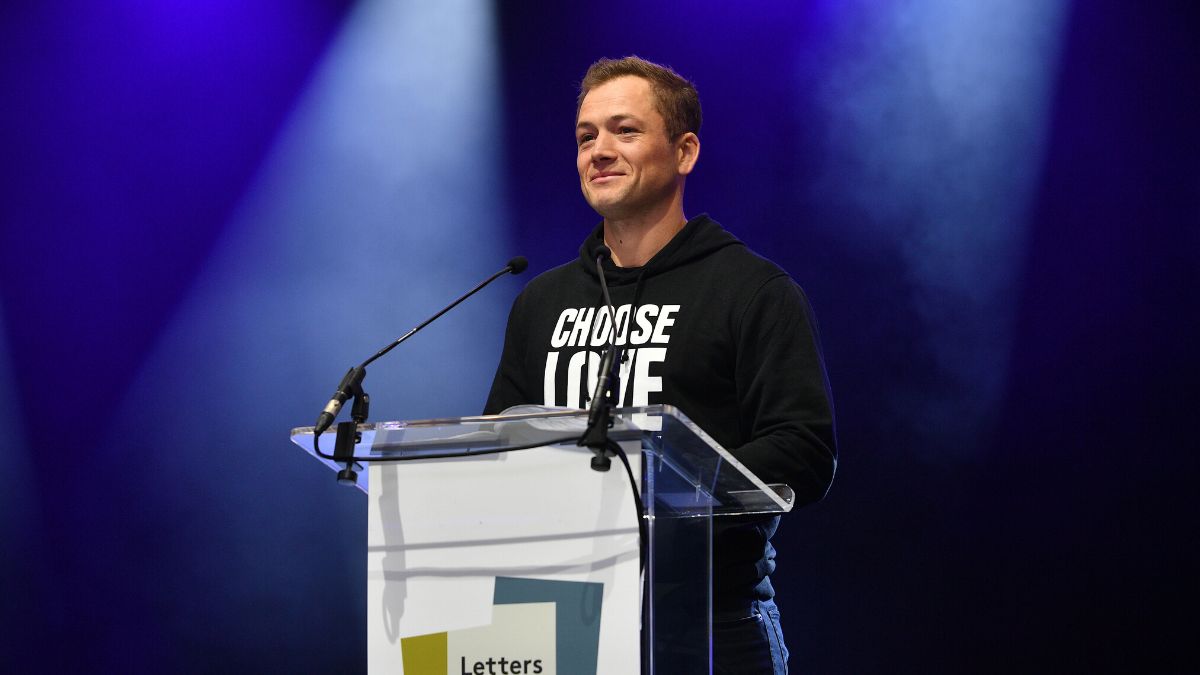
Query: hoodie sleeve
x,y
783,392
509,387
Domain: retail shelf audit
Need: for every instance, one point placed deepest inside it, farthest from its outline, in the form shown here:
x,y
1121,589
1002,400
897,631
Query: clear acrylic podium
x,y
497,522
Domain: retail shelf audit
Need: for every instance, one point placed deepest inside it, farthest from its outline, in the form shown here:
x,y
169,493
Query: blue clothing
x,y
750,644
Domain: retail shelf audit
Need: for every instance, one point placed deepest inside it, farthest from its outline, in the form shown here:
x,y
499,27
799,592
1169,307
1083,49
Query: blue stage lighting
x,y
937,114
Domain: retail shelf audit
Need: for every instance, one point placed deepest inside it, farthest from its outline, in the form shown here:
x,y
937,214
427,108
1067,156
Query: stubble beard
x,y
624,204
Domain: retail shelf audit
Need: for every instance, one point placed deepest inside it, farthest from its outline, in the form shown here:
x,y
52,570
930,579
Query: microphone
x,y
517,265
600,411
351,384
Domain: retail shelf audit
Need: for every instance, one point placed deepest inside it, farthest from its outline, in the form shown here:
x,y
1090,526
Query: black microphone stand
x,y
600,417
348,434
608,386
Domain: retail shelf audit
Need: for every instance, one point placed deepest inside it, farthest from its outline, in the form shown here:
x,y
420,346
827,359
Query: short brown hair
x,y
674,97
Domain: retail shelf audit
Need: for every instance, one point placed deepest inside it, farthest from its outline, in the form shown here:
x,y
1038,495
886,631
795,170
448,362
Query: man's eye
x,y
627,130
585,138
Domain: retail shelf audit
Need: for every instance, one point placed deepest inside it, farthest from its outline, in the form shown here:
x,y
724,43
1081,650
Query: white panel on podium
x,y
441,531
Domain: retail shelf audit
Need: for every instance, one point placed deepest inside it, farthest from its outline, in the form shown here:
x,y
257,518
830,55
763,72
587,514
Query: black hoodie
x,y
718,332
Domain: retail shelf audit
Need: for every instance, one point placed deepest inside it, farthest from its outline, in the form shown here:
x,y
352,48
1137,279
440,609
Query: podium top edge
x,y
544,412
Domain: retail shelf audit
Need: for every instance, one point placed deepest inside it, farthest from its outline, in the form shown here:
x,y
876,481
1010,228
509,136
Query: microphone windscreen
x,y
518,264
603,252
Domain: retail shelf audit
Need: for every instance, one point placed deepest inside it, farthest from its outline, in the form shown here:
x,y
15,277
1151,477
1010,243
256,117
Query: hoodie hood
x,y
700,237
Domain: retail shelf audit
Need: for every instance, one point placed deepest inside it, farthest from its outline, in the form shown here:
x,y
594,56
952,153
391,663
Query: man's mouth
x,y
602,176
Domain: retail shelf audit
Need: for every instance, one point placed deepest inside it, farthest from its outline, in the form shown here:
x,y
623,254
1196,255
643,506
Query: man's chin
x,y
611,213
608,208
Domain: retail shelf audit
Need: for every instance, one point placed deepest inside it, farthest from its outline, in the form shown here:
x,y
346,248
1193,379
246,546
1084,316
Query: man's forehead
x,y
628,96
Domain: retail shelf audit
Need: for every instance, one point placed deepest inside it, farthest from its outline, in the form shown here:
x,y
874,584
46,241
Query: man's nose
x,y
602,149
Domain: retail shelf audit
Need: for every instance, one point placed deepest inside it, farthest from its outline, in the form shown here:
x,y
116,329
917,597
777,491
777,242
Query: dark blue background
x,y
994,208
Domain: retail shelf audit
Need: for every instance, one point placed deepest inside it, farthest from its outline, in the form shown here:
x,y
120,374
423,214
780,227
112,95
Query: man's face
x,y
627,165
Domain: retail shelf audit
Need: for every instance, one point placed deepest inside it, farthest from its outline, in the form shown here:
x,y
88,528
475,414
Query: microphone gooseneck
x,y
351,384
600,414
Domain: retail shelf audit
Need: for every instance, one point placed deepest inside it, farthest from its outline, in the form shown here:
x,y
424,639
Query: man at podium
x,y
705,325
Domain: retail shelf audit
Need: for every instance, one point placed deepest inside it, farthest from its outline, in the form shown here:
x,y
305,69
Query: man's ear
x,y
687,152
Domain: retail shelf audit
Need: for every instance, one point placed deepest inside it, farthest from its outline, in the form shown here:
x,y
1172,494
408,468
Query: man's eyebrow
x,y
611,118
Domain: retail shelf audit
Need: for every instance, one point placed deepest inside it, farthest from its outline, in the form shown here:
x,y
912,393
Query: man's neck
x,y
634,241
